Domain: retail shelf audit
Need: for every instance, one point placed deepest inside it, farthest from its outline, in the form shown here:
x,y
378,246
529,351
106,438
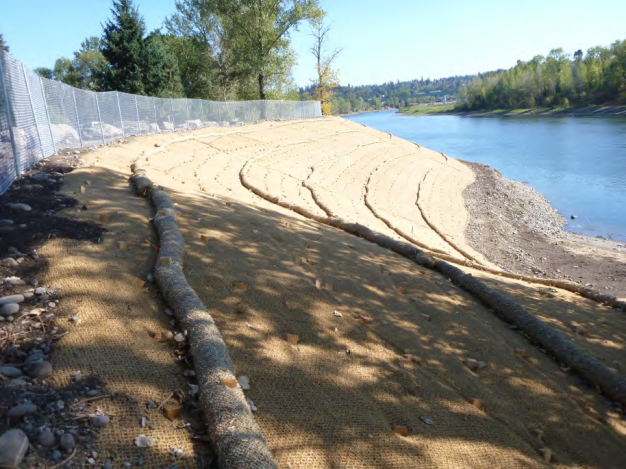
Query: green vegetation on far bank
x,y
432,109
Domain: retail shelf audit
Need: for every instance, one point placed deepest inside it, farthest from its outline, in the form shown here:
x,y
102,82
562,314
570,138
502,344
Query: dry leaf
x,y
400,430
292,339
476,403
230,382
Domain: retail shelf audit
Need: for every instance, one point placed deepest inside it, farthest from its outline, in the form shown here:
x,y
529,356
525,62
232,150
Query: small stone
x,y
244,382
574,217
253,407
546,454
9,262
107,465
67,442
92,393
40,177
56,455
10,372
9,309
40,291
14,281
13,446
180,337
21,410
17,382
144,441
477,403
537,433
23,207
471,363
40,370
46,438
5,222
101,421
91,460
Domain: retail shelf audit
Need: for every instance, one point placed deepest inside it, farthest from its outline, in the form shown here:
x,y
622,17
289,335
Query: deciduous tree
x,y
327,77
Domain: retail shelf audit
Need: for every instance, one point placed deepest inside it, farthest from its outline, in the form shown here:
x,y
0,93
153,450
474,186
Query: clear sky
x,y
381,40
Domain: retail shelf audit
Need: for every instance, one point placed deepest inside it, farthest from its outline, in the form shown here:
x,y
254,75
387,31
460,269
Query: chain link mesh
x,y
39,117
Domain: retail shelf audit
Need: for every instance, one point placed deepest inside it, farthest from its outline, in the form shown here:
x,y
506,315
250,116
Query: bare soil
x,y
516,227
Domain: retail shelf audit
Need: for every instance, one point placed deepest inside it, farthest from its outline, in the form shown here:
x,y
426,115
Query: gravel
x,y
515,227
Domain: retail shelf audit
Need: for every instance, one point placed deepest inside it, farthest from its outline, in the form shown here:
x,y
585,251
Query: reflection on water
x,y
578,163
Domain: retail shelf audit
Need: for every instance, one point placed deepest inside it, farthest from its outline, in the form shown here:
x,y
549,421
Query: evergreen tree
x,y
123,48
123,40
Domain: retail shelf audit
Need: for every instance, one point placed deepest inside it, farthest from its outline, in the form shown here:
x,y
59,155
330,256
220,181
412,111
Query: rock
x,y
13,447
10,372
17,382
574,217
24,207
40,291
5,222
67,442
9,262
101,421
400,430
56,455
9,309
244,382
21,410
11,299
144,441
46,438
40,370
14,281
14,250
40,177
92,393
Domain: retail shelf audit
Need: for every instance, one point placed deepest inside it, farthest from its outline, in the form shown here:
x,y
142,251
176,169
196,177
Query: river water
x,y
577,163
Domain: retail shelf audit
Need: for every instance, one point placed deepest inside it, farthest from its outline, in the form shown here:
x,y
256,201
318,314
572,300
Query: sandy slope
x,y
320,405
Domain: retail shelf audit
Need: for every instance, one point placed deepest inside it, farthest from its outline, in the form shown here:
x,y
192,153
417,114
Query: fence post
x,y
80,133
219,114
119,108
173,115
45,102
100,118
249,112
202,110
137,111
187,103
18,170
32,109
156,122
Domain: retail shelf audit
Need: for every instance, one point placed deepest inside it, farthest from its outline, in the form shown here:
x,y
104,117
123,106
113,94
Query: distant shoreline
x,y
582,111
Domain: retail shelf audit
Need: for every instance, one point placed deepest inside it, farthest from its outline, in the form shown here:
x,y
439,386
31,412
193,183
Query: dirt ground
x,y
381,342
88,244
517,228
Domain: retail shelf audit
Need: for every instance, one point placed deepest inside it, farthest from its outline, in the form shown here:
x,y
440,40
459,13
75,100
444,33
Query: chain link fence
x,y
39,117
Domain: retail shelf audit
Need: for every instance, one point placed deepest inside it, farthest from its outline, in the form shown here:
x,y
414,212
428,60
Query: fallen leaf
x,y
292,339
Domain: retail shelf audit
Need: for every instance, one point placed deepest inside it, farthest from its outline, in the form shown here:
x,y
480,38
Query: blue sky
x,y
381,40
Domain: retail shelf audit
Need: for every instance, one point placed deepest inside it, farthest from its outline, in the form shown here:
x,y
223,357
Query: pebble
x,y
14,250
11,299
93,393
46,438
6,222
14,281
24,207
21,410
40,291
56,455
9,309
144,441
10,372
100,421
13,447
40,370
17,382
9,262
107,465
67,442
40,177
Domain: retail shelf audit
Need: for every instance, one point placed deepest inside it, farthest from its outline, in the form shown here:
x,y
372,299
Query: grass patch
x,y
421,109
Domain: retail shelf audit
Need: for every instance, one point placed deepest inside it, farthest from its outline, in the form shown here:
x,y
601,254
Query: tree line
x,y
396,95
558,80
208,49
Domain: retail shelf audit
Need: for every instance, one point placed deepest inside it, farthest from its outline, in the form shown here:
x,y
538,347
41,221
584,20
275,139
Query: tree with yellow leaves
x,y
327,77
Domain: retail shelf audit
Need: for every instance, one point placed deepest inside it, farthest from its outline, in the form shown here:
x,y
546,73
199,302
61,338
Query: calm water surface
x,y
578,163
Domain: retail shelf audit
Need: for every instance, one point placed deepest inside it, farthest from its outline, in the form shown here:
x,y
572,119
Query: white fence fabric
x,y
39,117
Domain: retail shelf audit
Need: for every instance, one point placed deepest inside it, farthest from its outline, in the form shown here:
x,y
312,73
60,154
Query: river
x,y
577,163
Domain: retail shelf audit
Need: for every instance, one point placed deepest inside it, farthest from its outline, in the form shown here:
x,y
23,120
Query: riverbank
x,y
515,227
449,109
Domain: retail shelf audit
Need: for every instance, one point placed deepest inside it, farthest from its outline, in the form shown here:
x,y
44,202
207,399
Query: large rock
x,y
13,447
11,299
194,124
9,309
65,135
10,371
40,370
21,410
